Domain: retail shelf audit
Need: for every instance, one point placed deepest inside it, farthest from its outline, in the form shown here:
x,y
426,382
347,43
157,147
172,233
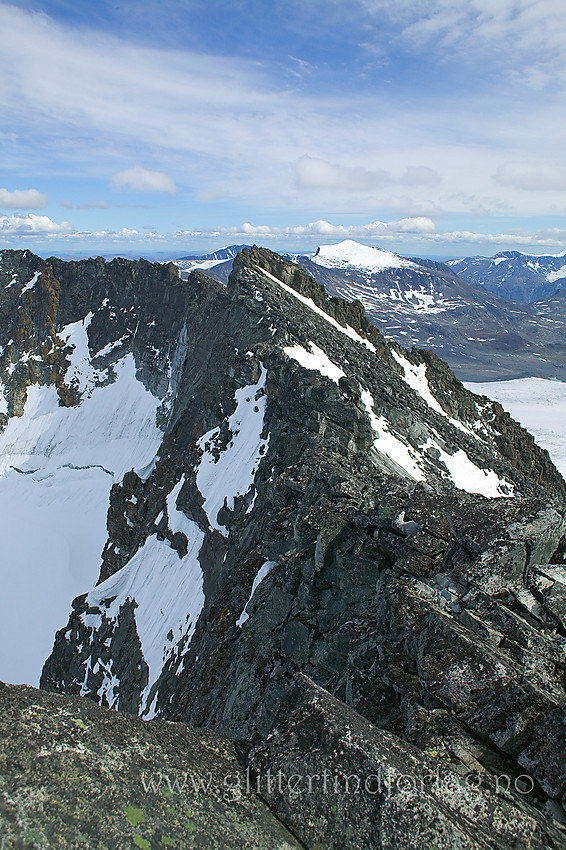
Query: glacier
x,y
57,467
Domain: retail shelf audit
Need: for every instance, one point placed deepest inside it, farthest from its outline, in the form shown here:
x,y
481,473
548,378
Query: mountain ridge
x,y
315,500
511,274
424,303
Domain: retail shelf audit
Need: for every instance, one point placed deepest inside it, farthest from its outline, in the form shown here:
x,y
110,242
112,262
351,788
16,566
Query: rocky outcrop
x,y
74,776
340,782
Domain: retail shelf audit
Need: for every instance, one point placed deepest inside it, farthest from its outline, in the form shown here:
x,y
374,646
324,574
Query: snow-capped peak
x,y
354,254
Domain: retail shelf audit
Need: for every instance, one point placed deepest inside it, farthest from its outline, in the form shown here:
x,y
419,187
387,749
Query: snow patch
x,y
224,474
387,444
558,274
204,264
263,571
177,519
111,346
31,283
467,476
316,360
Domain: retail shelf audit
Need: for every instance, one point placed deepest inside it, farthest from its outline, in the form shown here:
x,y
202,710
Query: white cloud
x,y
44,230
539,241
555,234
23,199
32,225
57,80
125,234
530,29
419,231
409,236
138,179
532,178
412,225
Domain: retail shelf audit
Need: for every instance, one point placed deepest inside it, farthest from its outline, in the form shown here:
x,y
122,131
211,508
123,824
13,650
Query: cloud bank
x,y
33,225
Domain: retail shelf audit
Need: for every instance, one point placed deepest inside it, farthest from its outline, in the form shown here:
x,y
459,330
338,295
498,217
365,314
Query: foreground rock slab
x,y
73,775
340,782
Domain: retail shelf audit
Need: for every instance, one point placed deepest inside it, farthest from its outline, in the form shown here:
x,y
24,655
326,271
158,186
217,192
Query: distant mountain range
x,y
432,305
519,277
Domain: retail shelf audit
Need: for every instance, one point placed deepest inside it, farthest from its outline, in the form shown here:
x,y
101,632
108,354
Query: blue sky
x,y
427,128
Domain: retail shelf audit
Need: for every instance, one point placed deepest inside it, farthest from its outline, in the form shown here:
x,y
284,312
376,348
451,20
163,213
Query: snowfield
x,y
539,405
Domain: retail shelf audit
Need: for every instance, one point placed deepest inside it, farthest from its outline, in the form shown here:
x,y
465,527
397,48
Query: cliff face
x,y
303,497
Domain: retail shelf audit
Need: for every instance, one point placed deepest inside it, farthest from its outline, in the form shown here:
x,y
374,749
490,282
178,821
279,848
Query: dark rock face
x,y
74,776
327,503
122,296
340,782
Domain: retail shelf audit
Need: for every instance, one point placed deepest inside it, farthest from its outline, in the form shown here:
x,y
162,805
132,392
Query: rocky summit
x,y
307,539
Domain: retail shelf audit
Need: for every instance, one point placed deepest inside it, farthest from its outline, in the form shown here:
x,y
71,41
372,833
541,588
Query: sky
x,y
425,127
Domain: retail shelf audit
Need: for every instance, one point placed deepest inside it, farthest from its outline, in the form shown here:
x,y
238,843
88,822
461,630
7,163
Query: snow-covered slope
x,y
351,254
80,406
57,467
382,281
